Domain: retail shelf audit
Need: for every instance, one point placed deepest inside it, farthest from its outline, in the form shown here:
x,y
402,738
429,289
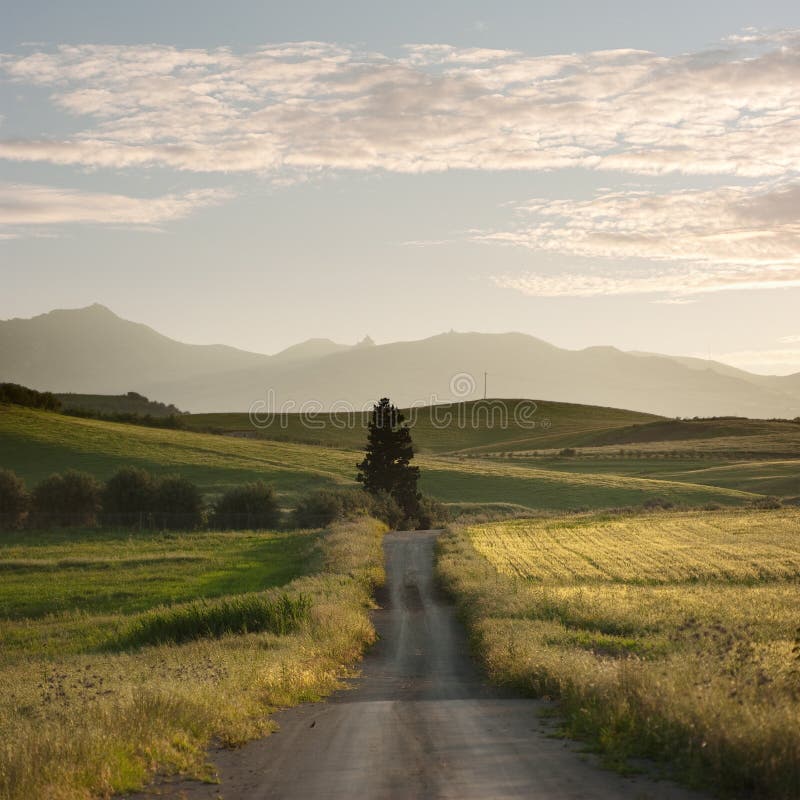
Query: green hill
x,y
682,430
474,426
36,443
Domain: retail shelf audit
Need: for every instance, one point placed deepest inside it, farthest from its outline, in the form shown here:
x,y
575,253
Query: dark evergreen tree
x,y
386,466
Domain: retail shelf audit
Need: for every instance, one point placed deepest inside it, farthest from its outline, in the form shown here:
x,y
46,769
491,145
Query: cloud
x,y
731,237
675,281
795,339
310,106
23,205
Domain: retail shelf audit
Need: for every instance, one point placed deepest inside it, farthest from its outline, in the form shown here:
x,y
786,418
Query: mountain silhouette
x,y
92,350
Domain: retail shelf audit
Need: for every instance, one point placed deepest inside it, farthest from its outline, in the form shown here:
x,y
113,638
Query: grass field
x,y
519,426
123,657
473,426
779,477
667,635
35,444
73,590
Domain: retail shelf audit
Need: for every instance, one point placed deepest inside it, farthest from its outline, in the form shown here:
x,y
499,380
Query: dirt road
x,y
419,723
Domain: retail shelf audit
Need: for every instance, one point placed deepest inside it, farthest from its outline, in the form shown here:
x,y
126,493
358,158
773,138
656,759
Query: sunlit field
x,y
123,657
68,590
668,635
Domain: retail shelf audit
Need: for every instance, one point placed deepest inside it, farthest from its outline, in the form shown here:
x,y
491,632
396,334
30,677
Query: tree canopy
x,y
386,465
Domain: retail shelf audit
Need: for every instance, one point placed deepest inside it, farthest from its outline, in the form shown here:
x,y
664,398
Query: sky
x,y
259,173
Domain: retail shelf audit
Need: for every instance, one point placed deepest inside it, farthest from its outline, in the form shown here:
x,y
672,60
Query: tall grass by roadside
x,y
667,636
96,723
278,613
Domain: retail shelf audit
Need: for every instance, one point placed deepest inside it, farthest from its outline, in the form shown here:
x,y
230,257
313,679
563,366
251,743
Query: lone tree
x,y
389,450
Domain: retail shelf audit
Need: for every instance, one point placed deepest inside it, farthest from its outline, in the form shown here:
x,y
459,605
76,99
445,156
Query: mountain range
x,y
92,350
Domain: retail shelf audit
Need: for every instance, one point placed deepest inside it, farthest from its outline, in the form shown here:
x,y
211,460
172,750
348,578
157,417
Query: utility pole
x,y
485,374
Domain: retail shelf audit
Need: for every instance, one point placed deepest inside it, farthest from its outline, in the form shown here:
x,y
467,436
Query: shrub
x,y
766,503
128,497
14,500
567,451
432,513
325,506
316,510
72,498
251,506
657,503
177,504
385,508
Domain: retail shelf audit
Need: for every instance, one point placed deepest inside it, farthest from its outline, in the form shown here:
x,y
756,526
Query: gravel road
x,y
418,723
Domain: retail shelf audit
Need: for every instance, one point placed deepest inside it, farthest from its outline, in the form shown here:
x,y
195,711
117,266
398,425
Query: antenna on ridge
x,y
485,374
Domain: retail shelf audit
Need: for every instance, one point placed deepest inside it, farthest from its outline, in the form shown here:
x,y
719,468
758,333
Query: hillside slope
x,y
36,443
471,427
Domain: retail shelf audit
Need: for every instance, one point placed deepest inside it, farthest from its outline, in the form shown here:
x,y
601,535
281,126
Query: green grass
x,y
84,573
243,613
475,426
95,700
684,431
480,481
667,635
37,443
780,477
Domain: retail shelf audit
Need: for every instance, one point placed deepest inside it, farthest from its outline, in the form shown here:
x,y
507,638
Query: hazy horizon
x,y
618,176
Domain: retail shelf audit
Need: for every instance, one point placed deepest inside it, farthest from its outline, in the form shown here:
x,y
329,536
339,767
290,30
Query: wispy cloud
x,y
734,110
725,238
25,205
673,280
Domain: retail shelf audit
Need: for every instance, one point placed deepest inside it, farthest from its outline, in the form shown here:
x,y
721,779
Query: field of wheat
x,y
666,635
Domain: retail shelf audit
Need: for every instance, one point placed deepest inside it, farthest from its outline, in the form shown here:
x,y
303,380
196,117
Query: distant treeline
x,y
23,396
113,404
135,499
173,421
133,408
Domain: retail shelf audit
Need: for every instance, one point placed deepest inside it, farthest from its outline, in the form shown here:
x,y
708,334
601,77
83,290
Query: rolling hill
x,y
449,428
93,351
36,443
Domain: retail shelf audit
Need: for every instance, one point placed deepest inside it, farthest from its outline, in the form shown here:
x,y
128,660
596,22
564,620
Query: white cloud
x,y
24,205
734,110
795,339
732,237
672,281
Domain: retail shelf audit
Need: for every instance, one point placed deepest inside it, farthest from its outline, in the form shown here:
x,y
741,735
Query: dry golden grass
x,y
663,635
90,725
658,548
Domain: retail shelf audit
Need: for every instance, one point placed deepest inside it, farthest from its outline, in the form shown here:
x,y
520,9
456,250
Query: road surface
x,y
419,722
